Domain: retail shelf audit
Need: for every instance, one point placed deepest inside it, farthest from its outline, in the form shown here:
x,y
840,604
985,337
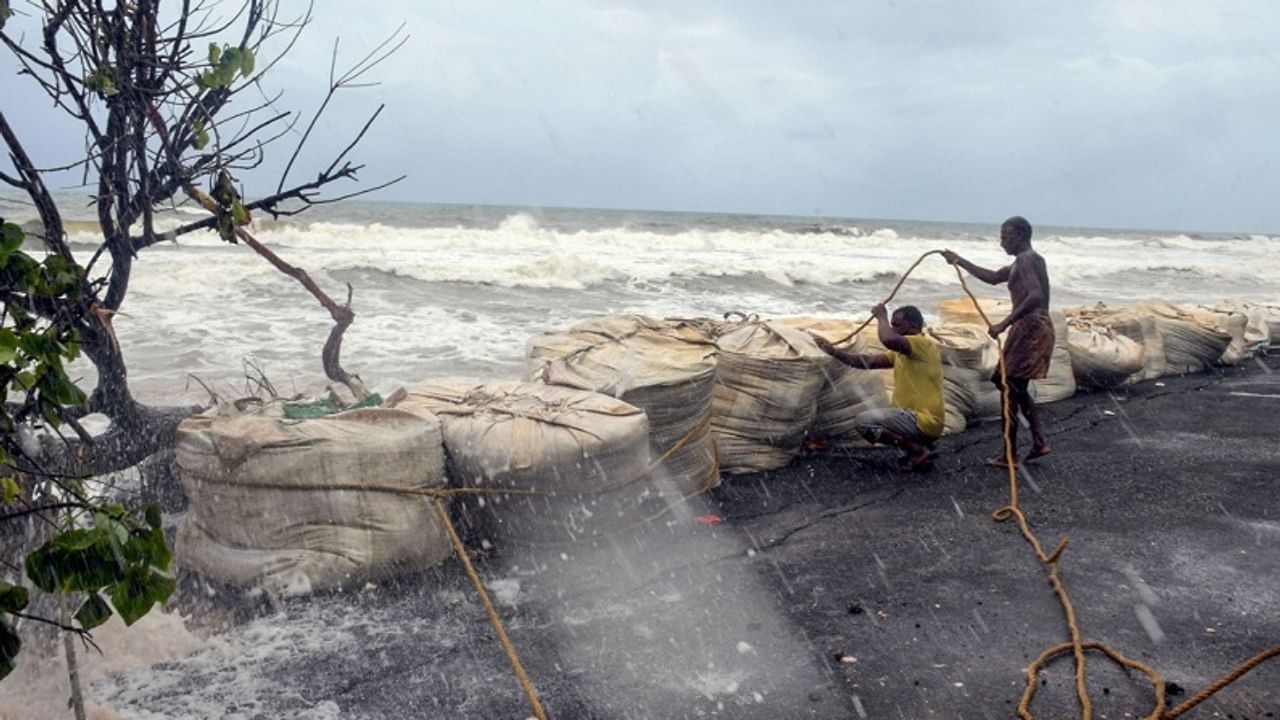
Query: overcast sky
x,y
1151,114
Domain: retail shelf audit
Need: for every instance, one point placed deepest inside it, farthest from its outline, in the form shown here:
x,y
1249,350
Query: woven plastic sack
x,y
1262,328
962,310
846,391
1060,383
1232,322
766,394
965,345
665,368
296,506
552,464
1101,357
961,390
1190,343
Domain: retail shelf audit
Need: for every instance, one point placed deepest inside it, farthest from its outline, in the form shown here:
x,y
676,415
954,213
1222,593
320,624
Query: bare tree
x,y
162,122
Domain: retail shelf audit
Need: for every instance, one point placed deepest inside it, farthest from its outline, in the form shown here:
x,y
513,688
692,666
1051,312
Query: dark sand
x,y
841,588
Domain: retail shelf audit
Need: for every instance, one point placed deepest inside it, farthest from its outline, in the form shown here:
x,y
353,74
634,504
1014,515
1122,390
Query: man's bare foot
x,y
998,461
916,462
1037,451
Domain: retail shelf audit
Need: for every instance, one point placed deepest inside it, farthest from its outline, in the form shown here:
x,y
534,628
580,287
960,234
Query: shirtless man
x,y
915,421
1030,342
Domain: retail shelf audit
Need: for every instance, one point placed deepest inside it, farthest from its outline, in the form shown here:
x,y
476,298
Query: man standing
x,y
1030,341
914,422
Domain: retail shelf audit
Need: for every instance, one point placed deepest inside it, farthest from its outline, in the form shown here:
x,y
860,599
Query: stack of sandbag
x,y
551,464
296,506
969,357
1101,357
1191,342
766,393
1060,383
966,345
1140,327
1057,385
666,368
962,389
1262,328
1232,322
846,391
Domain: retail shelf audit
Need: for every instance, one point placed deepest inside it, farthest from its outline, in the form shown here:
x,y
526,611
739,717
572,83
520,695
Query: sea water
x,y
459,290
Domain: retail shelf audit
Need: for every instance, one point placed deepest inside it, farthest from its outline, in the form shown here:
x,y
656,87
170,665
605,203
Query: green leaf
x,y
231,59
201,138
73,540
8,346
93,612
246,63
227,227
79,560
152,515
10,488
5,14
12,597
41,569
214,53
49,411
154,549
59,389
11,236
10,644
140,589
240,214
118,532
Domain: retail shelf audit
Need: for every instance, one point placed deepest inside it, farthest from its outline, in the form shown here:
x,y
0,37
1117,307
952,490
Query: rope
x,y
1055,579
1223,681
892,293
461,551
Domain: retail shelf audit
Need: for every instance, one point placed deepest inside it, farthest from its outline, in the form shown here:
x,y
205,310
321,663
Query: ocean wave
x,y
518,222
520,252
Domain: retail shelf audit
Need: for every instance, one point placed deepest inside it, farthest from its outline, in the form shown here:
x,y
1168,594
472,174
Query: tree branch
x,y
84,635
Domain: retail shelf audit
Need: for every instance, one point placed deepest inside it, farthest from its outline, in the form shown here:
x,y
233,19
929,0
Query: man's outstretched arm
x,y
865,361
990,277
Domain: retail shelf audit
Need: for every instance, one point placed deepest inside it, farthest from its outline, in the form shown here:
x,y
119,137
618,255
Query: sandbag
x,y
297,506
1100,356
846,391
1232,322
988,402
766,394
1138,326
962,310
965,340
961,388
1262,322
558,464
1060,382
1190,343
666,368
696,331
965,345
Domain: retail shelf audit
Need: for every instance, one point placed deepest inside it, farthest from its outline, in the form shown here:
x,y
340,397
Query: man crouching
x,y
915,420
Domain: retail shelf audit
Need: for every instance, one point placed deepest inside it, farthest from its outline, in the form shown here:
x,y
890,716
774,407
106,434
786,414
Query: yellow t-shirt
x,y
917,383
